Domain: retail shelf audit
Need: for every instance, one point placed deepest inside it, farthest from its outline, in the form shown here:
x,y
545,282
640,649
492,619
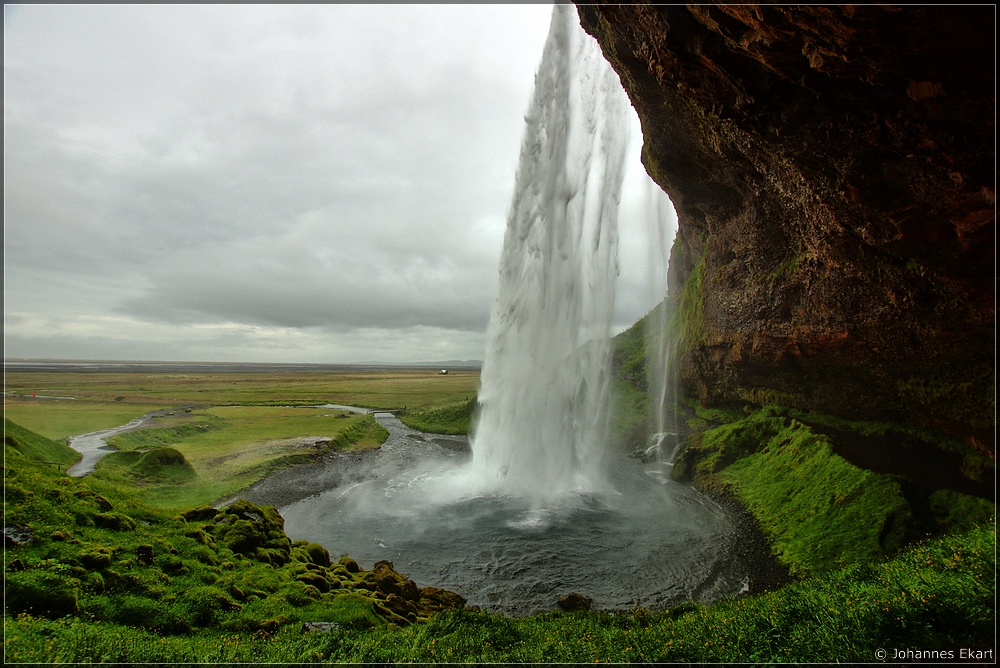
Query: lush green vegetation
x,y
448,419
109,578
128,564
820,511
225,449
688,329
99,554
59,419
36,446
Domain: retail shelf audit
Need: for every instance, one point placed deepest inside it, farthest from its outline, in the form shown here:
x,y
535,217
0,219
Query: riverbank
x,y
338,468
93,446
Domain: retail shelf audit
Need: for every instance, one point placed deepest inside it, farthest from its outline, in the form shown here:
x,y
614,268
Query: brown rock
x,y
833,173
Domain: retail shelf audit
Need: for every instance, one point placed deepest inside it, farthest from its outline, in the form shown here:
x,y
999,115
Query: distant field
x,y
413,388
241,423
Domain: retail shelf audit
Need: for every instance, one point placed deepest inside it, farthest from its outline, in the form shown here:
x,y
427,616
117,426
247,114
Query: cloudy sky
x,y
264,183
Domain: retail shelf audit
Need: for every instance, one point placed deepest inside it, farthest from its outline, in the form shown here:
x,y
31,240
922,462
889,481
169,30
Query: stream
x,y
94,447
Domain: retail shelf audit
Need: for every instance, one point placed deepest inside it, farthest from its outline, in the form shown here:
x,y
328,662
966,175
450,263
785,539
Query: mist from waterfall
x,y
543,423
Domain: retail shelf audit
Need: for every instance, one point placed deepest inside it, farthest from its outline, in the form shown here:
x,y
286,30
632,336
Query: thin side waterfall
x,y
661,372
543,423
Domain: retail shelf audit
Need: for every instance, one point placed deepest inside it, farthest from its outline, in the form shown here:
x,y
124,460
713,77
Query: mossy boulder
x,y
435,599
317,554
200,514
114,521
95,559
253,531
94,498
314,579
350,564
41,593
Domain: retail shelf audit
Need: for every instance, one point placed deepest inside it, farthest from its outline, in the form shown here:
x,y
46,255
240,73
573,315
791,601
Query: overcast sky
x,y
266,183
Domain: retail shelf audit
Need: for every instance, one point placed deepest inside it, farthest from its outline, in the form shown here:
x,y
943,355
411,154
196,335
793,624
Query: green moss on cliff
x,y
820,511
688,327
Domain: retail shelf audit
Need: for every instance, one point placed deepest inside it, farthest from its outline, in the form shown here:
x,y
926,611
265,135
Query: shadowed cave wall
x,y
833,170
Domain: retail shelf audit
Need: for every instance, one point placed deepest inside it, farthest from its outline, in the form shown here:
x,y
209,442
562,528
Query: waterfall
x,y
661,372
543,420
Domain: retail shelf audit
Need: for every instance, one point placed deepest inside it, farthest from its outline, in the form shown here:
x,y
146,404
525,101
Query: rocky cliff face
x,y
833,170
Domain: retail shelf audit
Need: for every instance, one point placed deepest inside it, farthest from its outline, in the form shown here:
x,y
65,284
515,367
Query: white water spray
x,y
543,425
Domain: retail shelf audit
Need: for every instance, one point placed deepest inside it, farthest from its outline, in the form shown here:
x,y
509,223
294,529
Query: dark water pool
x,y
642,541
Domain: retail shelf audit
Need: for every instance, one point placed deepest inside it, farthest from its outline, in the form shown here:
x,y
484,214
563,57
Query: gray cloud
x,y
310,183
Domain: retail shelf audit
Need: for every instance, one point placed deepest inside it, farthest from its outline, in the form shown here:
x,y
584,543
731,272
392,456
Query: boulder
x,y
572,602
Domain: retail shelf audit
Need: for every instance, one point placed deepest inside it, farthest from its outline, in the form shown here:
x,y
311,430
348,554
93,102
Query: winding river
x,y
94,447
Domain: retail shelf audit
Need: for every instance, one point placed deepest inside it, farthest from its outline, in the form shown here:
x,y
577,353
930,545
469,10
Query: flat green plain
x,y
232,428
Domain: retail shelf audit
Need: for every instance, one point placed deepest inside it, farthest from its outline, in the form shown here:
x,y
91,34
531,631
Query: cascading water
x,y
661,372
542,427
541,504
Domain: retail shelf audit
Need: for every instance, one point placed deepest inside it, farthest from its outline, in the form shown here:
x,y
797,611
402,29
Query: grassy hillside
x,y
37,447
820,511
101,576
94,551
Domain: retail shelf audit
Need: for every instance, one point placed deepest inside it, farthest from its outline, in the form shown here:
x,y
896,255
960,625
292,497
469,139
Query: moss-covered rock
x,y
317,554
95,559
350,564
199,514
41,593
114,521
94,498
253,531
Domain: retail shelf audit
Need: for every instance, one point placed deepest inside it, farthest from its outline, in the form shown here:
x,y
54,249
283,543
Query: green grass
x,y
155,437
59,419
109,578
98,553
448,419
225,449
939,595
37,447
820,512
688,328
238,427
